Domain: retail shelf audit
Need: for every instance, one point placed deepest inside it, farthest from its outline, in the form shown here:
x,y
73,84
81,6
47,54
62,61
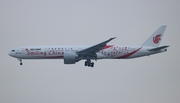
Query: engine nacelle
x,y
70,57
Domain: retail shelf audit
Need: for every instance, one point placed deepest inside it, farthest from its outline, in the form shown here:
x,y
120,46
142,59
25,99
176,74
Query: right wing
x,y
91,51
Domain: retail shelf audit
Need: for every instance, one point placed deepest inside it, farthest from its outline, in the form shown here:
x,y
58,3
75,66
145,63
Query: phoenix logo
x,y
157,38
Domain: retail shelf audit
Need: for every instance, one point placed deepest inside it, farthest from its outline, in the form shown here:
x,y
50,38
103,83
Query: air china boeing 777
x,y
73,54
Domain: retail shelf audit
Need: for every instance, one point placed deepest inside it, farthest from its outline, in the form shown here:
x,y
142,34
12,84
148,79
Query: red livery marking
x,y
53,57
157,38
36,53
129,54
107,46
52,52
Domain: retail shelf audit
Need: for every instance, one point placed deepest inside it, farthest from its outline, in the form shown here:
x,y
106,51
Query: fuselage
x,y
73,54
57,52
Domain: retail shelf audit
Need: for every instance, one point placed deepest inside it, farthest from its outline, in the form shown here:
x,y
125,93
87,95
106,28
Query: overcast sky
x,y
154,79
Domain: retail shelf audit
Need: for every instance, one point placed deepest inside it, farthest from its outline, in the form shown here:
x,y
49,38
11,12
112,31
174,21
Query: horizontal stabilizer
x,y
158,48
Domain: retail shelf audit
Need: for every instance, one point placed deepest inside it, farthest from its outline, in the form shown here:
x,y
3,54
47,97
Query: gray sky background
x,y
154,79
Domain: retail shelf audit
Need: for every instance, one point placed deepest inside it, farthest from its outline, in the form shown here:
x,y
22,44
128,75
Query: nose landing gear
x,y
20,61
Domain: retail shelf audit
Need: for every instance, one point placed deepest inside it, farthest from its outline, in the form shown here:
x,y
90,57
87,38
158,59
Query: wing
x,y
91,51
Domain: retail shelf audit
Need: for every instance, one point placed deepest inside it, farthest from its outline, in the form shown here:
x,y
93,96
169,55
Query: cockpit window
x,y
13,50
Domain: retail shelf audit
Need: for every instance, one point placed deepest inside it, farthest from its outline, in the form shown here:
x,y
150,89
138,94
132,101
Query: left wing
x,y
93,49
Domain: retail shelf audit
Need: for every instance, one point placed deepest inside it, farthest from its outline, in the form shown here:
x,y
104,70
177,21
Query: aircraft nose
x,y
10,54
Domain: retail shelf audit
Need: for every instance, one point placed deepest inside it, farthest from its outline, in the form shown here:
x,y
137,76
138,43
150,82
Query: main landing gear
x,y
20,61
89,63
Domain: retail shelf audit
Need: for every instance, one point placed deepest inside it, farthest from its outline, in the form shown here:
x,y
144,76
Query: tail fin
x,y
155,39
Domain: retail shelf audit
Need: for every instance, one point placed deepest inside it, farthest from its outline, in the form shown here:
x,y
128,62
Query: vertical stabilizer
x,y
155,39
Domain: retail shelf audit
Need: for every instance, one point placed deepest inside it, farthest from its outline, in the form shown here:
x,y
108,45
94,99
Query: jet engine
x,y
70,57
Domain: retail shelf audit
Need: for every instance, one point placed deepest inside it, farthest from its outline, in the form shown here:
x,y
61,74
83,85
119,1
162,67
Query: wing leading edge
x,y
93,49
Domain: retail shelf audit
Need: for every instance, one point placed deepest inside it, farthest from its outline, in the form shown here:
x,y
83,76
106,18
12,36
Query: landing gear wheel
x,y
89,63
92,64
86,63
21,63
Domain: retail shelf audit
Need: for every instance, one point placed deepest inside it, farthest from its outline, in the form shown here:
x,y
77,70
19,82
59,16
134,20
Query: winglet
x,y
108,41
112,38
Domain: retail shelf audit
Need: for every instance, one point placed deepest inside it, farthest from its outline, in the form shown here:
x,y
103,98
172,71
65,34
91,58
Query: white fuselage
x,y
57,52
73,54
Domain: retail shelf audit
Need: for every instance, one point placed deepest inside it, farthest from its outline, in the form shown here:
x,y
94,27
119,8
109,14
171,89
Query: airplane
x,y
73,54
